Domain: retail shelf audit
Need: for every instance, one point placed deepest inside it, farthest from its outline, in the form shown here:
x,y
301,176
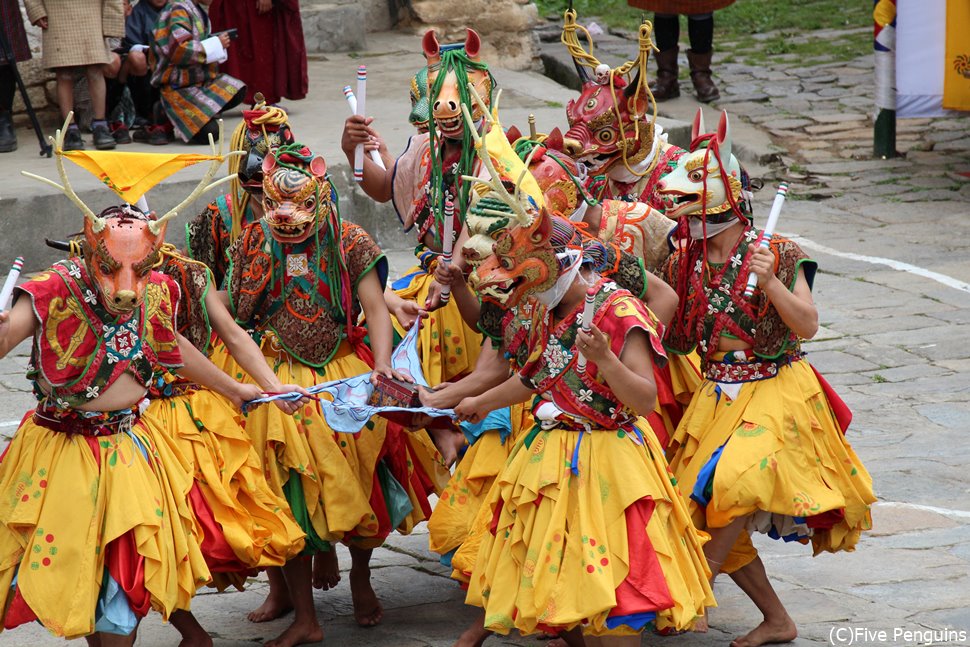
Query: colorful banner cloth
x,y
348,410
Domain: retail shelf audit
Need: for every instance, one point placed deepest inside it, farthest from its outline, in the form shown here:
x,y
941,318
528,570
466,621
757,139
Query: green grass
x,y
735,25
879,379
742,18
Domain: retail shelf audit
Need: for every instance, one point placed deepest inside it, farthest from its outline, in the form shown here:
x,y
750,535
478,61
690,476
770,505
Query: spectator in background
x,y
13,49
187,58
270,55
700,30
131,68
74,34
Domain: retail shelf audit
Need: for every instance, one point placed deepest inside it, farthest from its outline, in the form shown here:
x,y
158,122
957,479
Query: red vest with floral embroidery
x,y
81,349
551,367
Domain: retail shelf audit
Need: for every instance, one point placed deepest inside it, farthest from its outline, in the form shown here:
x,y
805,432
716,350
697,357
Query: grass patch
x,y
742,18
736,25
879,379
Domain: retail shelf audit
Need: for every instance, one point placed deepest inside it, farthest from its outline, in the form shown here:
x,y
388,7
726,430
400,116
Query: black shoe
x,y
103,140
120,133
8,138
157,136
73,141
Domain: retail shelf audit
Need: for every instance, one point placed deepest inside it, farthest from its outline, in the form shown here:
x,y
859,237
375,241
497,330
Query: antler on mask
x,y
203,186
97,224
510,247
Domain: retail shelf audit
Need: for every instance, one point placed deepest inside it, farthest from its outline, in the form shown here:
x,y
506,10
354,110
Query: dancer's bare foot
x,y
448,442
700,625
474,636
276,605
326,571
367,608
193,635
301,633
768,633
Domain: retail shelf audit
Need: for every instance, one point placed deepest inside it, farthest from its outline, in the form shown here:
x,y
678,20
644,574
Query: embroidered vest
x,y
551,366
194,280
752,320
287,300
80,348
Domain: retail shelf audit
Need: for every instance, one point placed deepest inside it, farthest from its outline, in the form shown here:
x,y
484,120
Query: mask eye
x,y
605,136
269,204
507,263
591,103
697,175
105,268
310,203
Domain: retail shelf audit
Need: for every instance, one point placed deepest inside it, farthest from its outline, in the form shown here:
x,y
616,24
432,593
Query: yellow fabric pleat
x,y
459,503
474,516
256,522
61,504
560,544
784,454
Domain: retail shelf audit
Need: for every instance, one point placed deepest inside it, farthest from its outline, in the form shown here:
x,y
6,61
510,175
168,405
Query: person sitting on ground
x,y
129,69
186,57
74,34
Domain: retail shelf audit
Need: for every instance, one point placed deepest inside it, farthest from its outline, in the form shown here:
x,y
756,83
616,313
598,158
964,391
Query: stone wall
x,y
506,27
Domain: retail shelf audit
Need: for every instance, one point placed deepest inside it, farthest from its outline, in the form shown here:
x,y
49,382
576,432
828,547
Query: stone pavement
x,y
894,343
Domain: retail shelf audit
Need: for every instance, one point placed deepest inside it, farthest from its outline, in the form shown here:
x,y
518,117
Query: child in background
x,y
74,33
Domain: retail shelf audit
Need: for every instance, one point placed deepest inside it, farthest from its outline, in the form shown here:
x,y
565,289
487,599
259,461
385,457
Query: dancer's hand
x,y
409,312
450,275
595,346
264,6
763,265
471,409
357,130
383,368
433,302
438,398
244,393
290,406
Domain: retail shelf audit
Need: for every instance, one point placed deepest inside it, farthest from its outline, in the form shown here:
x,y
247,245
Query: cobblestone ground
x,y
894,299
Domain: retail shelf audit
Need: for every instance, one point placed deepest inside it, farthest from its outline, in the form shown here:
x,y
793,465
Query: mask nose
x,y
124,300
572,147
451,105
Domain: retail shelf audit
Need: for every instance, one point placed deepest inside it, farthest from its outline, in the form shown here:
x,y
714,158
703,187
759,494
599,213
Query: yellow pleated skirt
x,y
448,347
254,521
596,548
330,479
452,524
65,498
782,452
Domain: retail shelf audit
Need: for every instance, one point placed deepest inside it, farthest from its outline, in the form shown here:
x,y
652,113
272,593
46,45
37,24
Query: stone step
x,y
334,26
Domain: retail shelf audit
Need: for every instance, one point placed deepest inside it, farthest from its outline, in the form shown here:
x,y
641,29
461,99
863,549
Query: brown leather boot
x,y
700,75
666,86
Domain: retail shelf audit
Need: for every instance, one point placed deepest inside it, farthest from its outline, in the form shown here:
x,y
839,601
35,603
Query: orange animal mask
x,y
120,257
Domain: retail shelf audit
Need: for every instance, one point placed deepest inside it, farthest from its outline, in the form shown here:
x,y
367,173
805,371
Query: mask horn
x,y
697,126
60,245
97,224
